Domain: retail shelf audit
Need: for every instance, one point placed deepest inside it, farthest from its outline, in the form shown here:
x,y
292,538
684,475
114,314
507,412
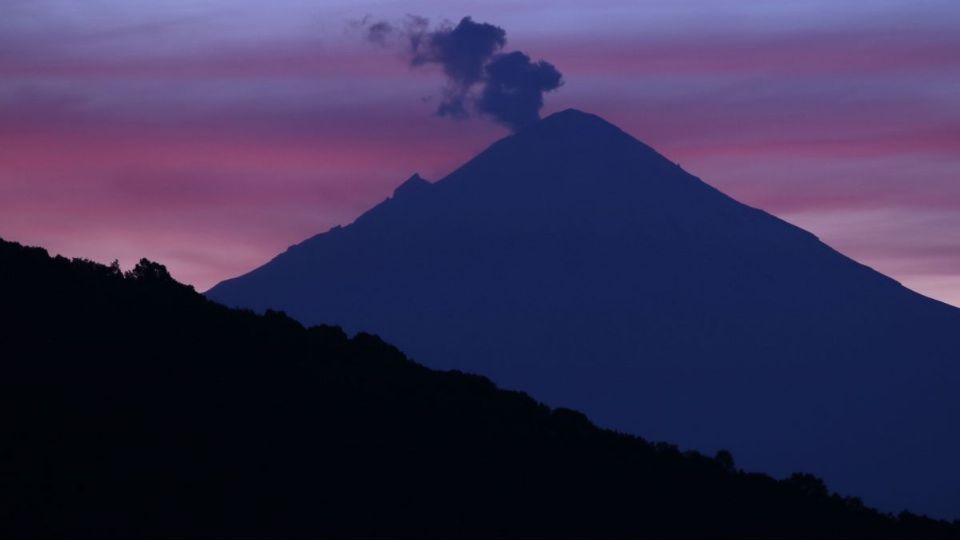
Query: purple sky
x,y
210,135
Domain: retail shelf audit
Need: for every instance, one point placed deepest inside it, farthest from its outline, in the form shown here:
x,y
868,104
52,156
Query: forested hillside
x,y
131,406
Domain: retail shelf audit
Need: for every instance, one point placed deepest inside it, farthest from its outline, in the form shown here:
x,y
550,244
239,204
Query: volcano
x,y
574,262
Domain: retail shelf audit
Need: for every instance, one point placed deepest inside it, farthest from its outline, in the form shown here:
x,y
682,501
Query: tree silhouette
x,y
147,270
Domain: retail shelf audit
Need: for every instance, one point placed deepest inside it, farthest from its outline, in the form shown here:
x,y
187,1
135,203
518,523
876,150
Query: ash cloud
x,y
462,52
481,79
380,32
514,88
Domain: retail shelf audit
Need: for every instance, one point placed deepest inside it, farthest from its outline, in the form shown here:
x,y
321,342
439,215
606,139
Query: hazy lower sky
x,y
210,135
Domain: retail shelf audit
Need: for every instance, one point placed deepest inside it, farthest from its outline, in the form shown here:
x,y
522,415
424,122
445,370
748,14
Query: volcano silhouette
x,y
574,262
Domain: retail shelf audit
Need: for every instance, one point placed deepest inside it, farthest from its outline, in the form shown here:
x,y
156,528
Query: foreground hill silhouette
x,y
572,261
133,407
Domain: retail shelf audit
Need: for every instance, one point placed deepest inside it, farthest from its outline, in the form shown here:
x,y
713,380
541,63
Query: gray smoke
x,y
481,78
514,88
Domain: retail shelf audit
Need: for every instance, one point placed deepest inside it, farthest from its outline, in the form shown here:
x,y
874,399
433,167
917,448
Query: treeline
x,y
131,406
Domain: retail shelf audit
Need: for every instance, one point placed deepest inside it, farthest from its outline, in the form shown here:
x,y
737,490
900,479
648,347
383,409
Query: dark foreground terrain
x,y
131,406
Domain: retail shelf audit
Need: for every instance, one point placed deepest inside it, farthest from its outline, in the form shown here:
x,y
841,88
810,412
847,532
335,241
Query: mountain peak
x,y
572,115
410,185
575,119
571,150
571,129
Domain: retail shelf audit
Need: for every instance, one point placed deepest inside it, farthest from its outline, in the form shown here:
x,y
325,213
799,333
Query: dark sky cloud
x,y
462,51
379,32
481,79
514,87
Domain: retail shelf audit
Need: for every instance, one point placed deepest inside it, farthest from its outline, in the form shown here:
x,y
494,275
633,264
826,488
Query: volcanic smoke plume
x,y
481,79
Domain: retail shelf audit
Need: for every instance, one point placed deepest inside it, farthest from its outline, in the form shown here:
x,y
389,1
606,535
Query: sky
x,y
210,135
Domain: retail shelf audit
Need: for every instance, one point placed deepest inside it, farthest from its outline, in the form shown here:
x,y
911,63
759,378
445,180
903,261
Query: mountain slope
x,y
574,262
131,407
